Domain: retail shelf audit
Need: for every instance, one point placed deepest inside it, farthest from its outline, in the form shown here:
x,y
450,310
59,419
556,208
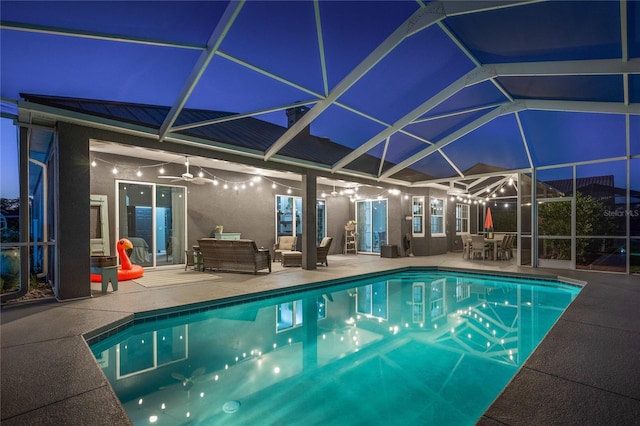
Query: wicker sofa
x,y
233,255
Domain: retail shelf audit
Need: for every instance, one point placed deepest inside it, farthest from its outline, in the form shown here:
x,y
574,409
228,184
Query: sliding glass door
x,y
170,224
289,217
152,217
372,225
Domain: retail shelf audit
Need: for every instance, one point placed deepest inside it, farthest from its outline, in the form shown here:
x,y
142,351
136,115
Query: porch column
x,y
71,189
309,220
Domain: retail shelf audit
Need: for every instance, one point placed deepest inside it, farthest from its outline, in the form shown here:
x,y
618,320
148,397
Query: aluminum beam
x,y
219,33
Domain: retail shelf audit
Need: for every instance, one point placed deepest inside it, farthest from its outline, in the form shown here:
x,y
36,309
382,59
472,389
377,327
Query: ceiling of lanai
x,y
426,92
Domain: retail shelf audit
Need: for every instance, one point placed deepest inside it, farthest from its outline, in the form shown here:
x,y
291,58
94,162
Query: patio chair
x,y
478,246
465,238
323,249
285,243
506,247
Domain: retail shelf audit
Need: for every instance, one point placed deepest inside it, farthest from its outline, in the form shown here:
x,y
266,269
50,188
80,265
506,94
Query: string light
x,y
352,191
253,181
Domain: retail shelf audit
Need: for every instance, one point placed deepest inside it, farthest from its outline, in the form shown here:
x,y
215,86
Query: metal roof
x,y
403,91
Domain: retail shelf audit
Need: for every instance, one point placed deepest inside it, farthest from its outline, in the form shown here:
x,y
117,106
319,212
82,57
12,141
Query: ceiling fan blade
x,y
198,372
178,376
200,180
169,177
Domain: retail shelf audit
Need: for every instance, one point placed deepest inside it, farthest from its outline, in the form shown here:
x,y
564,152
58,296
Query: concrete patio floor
x,y
586,371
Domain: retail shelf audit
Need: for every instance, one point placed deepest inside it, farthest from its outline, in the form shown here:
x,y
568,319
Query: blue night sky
x,y
9,160
265,63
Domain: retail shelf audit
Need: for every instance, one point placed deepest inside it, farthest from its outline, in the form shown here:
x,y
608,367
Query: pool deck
x,y
586,371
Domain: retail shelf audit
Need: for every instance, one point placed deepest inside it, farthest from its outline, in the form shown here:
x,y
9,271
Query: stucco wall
x,y
249,211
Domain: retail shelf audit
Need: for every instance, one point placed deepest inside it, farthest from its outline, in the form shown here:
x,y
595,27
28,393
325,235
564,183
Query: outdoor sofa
x,y
233,255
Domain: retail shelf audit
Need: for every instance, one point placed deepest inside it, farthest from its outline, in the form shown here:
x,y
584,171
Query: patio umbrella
x,y
488,222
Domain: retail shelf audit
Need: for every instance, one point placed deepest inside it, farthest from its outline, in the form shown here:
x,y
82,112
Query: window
x,y
437,217
289,314
99,221
463,290
372,300
150,350
462,218
321,214
417,311
437,299
418,216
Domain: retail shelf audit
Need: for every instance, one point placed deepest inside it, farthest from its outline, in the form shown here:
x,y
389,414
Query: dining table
x,y
495,244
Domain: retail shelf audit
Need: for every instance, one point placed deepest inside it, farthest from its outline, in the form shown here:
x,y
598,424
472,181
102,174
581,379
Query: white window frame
x,y
417,303
463,220
417,215
297,306
433,215
154,343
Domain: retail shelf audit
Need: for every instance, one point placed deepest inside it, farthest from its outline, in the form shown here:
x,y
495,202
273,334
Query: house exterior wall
x,y
249,211
430,245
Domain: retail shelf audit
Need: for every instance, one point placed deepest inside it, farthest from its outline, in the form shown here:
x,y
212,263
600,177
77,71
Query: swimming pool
x,y
425,347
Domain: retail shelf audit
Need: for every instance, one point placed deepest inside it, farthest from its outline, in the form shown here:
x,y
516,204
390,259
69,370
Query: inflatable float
x,y
126,270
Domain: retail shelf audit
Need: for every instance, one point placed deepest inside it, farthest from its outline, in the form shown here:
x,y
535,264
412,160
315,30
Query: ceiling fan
x,y
188,382
187,176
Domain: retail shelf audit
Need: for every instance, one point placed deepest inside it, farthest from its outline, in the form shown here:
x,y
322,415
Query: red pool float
x,y
126,270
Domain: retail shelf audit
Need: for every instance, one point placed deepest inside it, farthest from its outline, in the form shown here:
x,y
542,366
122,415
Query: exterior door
x,y
289,217
371,225
152,217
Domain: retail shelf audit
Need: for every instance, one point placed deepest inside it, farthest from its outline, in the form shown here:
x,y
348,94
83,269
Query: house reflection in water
x,y
453,341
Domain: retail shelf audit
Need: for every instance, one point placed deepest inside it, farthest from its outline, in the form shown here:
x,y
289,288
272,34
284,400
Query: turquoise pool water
x,y
409,348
